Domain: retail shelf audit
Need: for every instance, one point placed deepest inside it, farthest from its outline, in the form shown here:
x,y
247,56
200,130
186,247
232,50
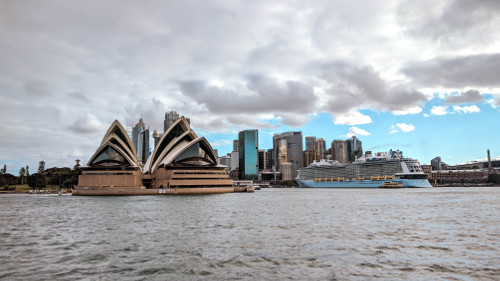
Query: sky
x,y
419,76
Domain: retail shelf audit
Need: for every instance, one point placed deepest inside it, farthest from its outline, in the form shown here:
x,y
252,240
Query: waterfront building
x,y
174,165
339,151
288,147
226,161
263,160
310,143
235,160
288,171
270,159
309,156
354,149
248,145
140,139
320,149
437,164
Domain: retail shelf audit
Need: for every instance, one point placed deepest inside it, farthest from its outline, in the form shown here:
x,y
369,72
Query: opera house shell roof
x,y
180,159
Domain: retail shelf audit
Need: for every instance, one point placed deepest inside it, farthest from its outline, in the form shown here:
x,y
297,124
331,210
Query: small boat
x,y
391,184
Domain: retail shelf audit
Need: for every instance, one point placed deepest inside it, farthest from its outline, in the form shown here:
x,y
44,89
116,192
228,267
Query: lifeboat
x,y
374,178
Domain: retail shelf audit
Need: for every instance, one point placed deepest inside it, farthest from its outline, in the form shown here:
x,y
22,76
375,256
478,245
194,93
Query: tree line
x,y
63,177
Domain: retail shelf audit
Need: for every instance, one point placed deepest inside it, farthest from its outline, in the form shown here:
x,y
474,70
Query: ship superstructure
x,y
366,171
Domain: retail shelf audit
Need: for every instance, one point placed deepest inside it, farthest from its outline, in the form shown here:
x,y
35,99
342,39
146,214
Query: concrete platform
x,y
134,191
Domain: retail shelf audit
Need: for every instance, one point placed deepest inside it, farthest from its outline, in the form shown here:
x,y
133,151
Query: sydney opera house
x,y
181,163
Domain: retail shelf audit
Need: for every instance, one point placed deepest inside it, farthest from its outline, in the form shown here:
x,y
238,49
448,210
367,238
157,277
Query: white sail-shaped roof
x,y
118,140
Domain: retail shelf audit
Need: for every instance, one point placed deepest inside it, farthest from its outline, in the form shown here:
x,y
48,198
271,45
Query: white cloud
x,y
221,142
403,127
409,110
466,108
351,118
355,131
439,110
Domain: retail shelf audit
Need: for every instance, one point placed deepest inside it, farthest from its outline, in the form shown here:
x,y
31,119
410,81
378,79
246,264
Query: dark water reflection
x,y
417,234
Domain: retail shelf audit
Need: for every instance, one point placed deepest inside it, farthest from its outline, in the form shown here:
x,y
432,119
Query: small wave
x,y
434,248
155,271
371,265
440,268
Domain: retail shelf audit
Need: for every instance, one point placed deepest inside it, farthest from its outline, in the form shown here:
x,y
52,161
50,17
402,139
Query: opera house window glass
x,y
109,157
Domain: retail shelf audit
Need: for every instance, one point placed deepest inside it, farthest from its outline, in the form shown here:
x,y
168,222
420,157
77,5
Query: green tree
x,y
37,181
27,171
41,167
22,174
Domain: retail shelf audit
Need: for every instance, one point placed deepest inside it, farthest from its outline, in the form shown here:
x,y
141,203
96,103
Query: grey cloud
x,y
87,125
362,87
260,95
453,22
37,88
465,97
456,72
78,96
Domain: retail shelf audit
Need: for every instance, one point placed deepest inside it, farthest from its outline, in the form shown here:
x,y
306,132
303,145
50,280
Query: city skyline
x,y
402,78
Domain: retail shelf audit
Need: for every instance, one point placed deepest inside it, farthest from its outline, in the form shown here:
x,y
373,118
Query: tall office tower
x,y
339,151
140,139
270,159
170,118
248,145
288,148
235,160
320,149
309,156
235,145
310,143
263,160
354,149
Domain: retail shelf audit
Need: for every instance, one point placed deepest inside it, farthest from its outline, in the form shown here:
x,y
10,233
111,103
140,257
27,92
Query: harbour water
x,y
274,234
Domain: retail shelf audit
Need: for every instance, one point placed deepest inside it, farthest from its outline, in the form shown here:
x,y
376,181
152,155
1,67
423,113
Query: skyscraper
x,y
288,148
354,149
140,139
339,151
309,156
320,149
248,146
235,145
263,160
310,143
170,118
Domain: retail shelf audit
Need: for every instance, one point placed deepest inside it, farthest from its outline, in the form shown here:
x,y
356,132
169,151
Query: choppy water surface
x,y
305,234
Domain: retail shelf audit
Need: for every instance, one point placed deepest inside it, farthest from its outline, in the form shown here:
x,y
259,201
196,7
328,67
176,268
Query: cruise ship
x,y
366,172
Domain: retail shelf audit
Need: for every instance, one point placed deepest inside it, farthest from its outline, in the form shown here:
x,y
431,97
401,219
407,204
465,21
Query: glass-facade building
x,y
248,147
140,139
288,148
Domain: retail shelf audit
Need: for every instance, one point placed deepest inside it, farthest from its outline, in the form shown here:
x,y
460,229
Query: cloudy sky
x,y
421,76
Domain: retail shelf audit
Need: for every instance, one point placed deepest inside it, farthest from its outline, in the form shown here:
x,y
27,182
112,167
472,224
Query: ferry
x,y
379,171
